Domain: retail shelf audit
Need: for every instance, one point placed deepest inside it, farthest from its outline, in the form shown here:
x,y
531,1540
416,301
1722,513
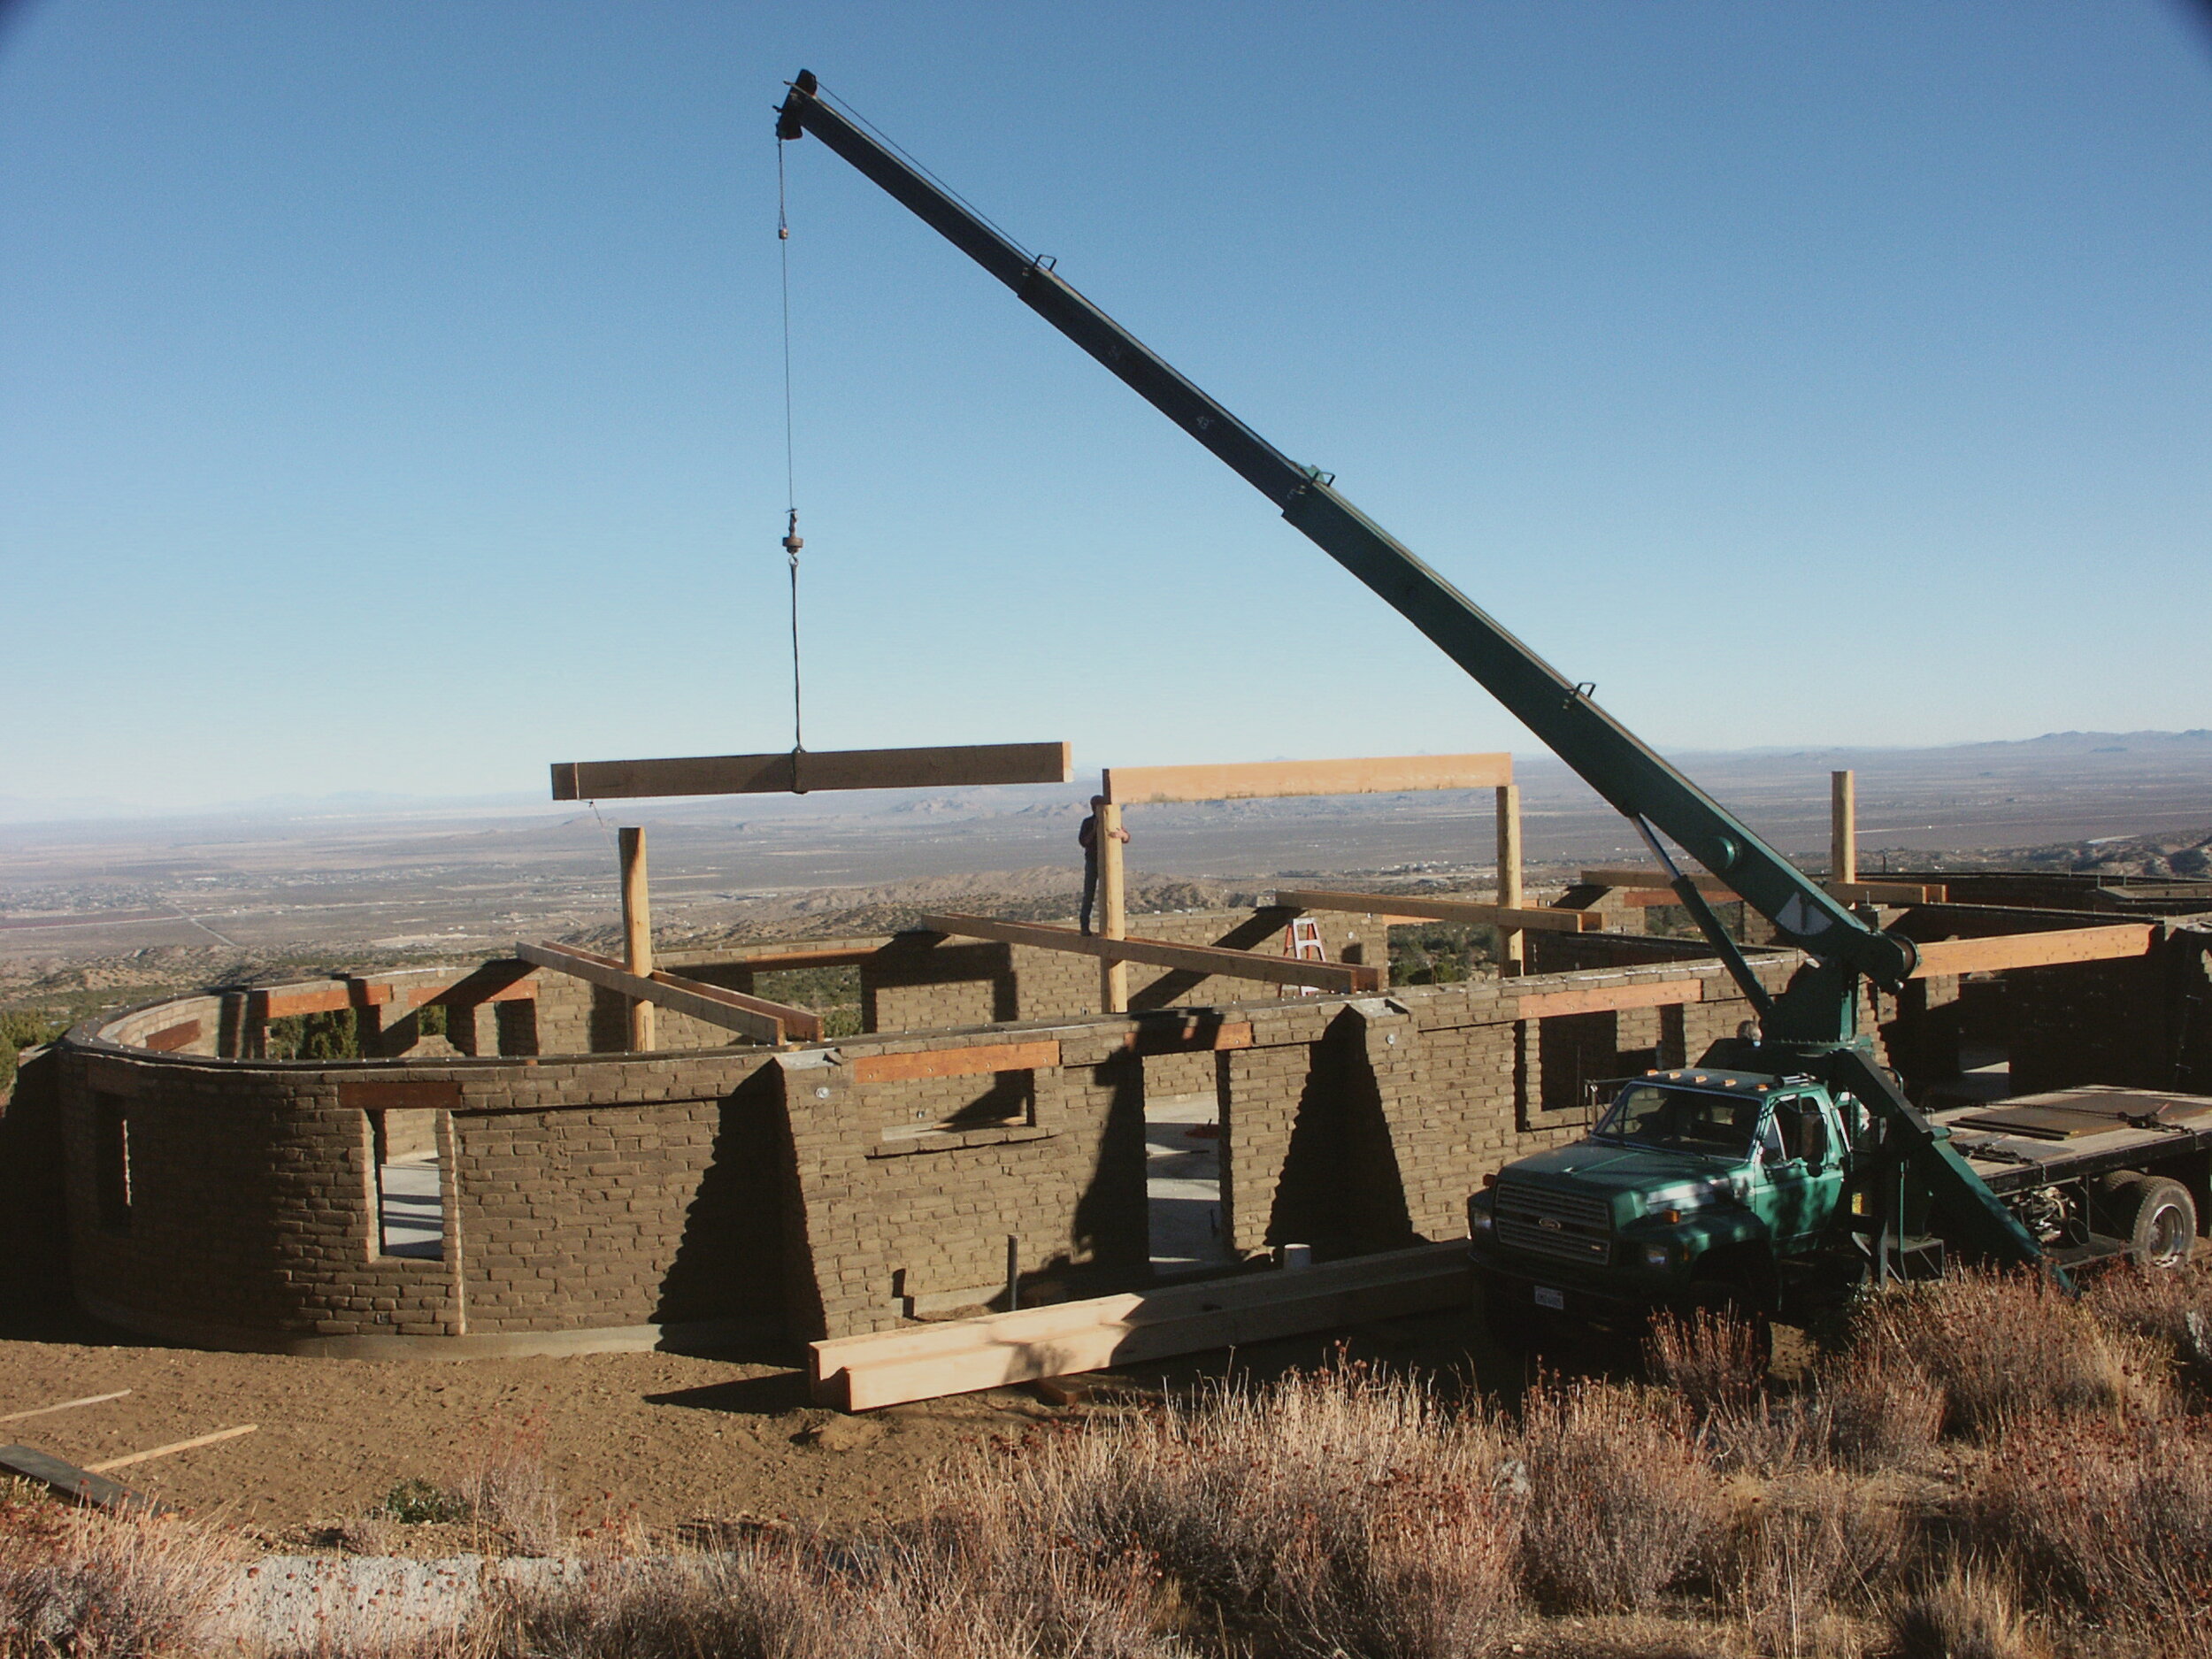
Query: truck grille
x,y
1567,1226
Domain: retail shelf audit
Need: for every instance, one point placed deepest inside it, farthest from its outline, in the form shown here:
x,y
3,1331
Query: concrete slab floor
x,y
1182,1136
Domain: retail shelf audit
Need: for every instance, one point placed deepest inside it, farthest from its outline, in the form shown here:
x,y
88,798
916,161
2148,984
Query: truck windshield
x,y
1686,1120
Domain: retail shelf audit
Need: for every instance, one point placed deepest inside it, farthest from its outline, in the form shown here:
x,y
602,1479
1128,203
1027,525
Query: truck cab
x,y
1694,1187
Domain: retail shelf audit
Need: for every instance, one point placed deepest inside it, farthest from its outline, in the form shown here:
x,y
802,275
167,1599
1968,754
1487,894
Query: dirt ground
x,y
664,1437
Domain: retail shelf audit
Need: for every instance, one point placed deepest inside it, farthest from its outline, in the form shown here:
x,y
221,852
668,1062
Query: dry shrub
x,y
1801,1544
2005,1344
2114,1517
2169,1306
944,1592
1881,1410
1620,1501
1331,1513
1714,1359
1967,1615
101,1586
508,1487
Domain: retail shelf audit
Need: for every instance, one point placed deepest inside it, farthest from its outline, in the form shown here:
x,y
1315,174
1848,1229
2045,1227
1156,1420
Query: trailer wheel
x,y
2156,1217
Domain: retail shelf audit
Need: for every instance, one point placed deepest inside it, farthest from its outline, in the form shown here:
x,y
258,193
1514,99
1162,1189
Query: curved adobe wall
x,y
586,1202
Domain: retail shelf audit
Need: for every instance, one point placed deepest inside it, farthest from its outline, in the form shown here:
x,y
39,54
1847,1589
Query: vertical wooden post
x,y
1843,826
637,930
1510,955
1113,977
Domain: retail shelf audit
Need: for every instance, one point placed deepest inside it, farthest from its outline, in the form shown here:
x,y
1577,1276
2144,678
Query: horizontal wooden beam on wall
x,y
1992,955
805,772
998,1056
1654,882
1377,774
1605,999
733,1010
1395,907
1349,976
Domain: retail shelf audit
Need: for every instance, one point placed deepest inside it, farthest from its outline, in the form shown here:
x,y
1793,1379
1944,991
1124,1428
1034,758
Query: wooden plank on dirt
x,y
748,1015
66,1479
1604,999
1377,774
961,1356
2034,950
958,767
1350,977
1441,910
173,1446
65,1405
998,1056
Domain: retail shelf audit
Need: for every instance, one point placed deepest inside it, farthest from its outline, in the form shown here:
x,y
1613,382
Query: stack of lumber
x,y
960,1355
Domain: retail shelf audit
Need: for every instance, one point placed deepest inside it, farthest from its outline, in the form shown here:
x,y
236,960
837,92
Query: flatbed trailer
x,y
2053,1158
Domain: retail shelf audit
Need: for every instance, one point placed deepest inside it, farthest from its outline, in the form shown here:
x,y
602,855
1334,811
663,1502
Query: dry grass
x,y
1334,1513
1882,1410
2003,1345
1620,1500
1964,1616
2170,1306
2113,1519
98,1586
1801,1547
509,1488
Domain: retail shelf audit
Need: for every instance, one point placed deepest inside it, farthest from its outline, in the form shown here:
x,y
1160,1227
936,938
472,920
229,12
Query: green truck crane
x,y
1788,1164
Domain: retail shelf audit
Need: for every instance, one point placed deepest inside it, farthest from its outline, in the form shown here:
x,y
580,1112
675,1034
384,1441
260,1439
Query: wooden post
x,y
637,931
1113,977
1511,957
1843,831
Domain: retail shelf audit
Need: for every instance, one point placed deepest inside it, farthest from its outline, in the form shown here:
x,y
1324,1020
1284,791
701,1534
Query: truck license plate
x,y
1547,1297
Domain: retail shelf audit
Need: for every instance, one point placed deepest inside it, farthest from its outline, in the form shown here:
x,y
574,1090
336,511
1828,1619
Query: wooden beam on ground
x,y
1408,909
1382,774
970,1061
810,769
1512,951
733,1010
2034,950
1351,978
173,1446
637,931
1605,999
65,1405
960,1356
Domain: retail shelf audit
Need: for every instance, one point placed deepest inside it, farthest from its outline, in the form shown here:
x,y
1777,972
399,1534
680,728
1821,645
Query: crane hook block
x,y
792,543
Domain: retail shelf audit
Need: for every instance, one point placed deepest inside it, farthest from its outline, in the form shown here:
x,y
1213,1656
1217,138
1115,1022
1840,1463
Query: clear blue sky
x,y
390,397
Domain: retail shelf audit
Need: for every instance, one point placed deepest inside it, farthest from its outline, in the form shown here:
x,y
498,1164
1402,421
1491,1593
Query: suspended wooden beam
x,y
810,769
2034,950
733,1010
1352,977
1382,774
1441,910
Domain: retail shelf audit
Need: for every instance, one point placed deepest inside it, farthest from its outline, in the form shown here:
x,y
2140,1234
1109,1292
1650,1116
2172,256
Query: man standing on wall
x,y
1086,838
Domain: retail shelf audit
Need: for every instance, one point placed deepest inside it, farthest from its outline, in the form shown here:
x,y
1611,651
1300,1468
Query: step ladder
x,y
1303,943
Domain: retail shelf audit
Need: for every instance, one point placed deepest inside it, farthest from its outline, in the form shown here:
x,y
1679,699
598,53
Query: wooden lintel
x,y
1352,977
288,1002
999,1057
733,1010
1379,774
1193,1035
1604,999
808,770
1993,953
1655,880
399,1094
507,981
1398,906
171,1038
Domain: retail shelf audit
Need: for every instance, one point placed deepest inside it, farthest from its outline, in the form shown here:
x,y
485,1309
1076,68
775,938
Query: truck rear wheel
x,y
2156,1216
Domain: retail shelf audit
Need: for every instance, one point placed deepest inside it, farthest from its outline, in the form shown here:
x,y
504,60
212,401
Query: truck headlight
x,y
1658,1256
1481,1219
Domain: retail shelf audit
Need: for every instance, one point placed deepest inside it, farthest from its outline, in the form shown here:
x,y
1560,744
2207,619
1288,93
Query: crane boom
x,y
1819,1007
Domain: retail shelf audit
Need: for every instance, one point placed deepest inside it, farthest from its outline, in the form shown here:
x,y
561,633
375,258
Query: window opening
x,y
112,1121
409,1189
1182,1185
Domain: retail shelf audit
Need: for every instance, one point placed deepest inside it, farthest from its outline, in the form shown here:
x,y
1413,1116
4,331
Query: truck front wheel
x,y
2156,1217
